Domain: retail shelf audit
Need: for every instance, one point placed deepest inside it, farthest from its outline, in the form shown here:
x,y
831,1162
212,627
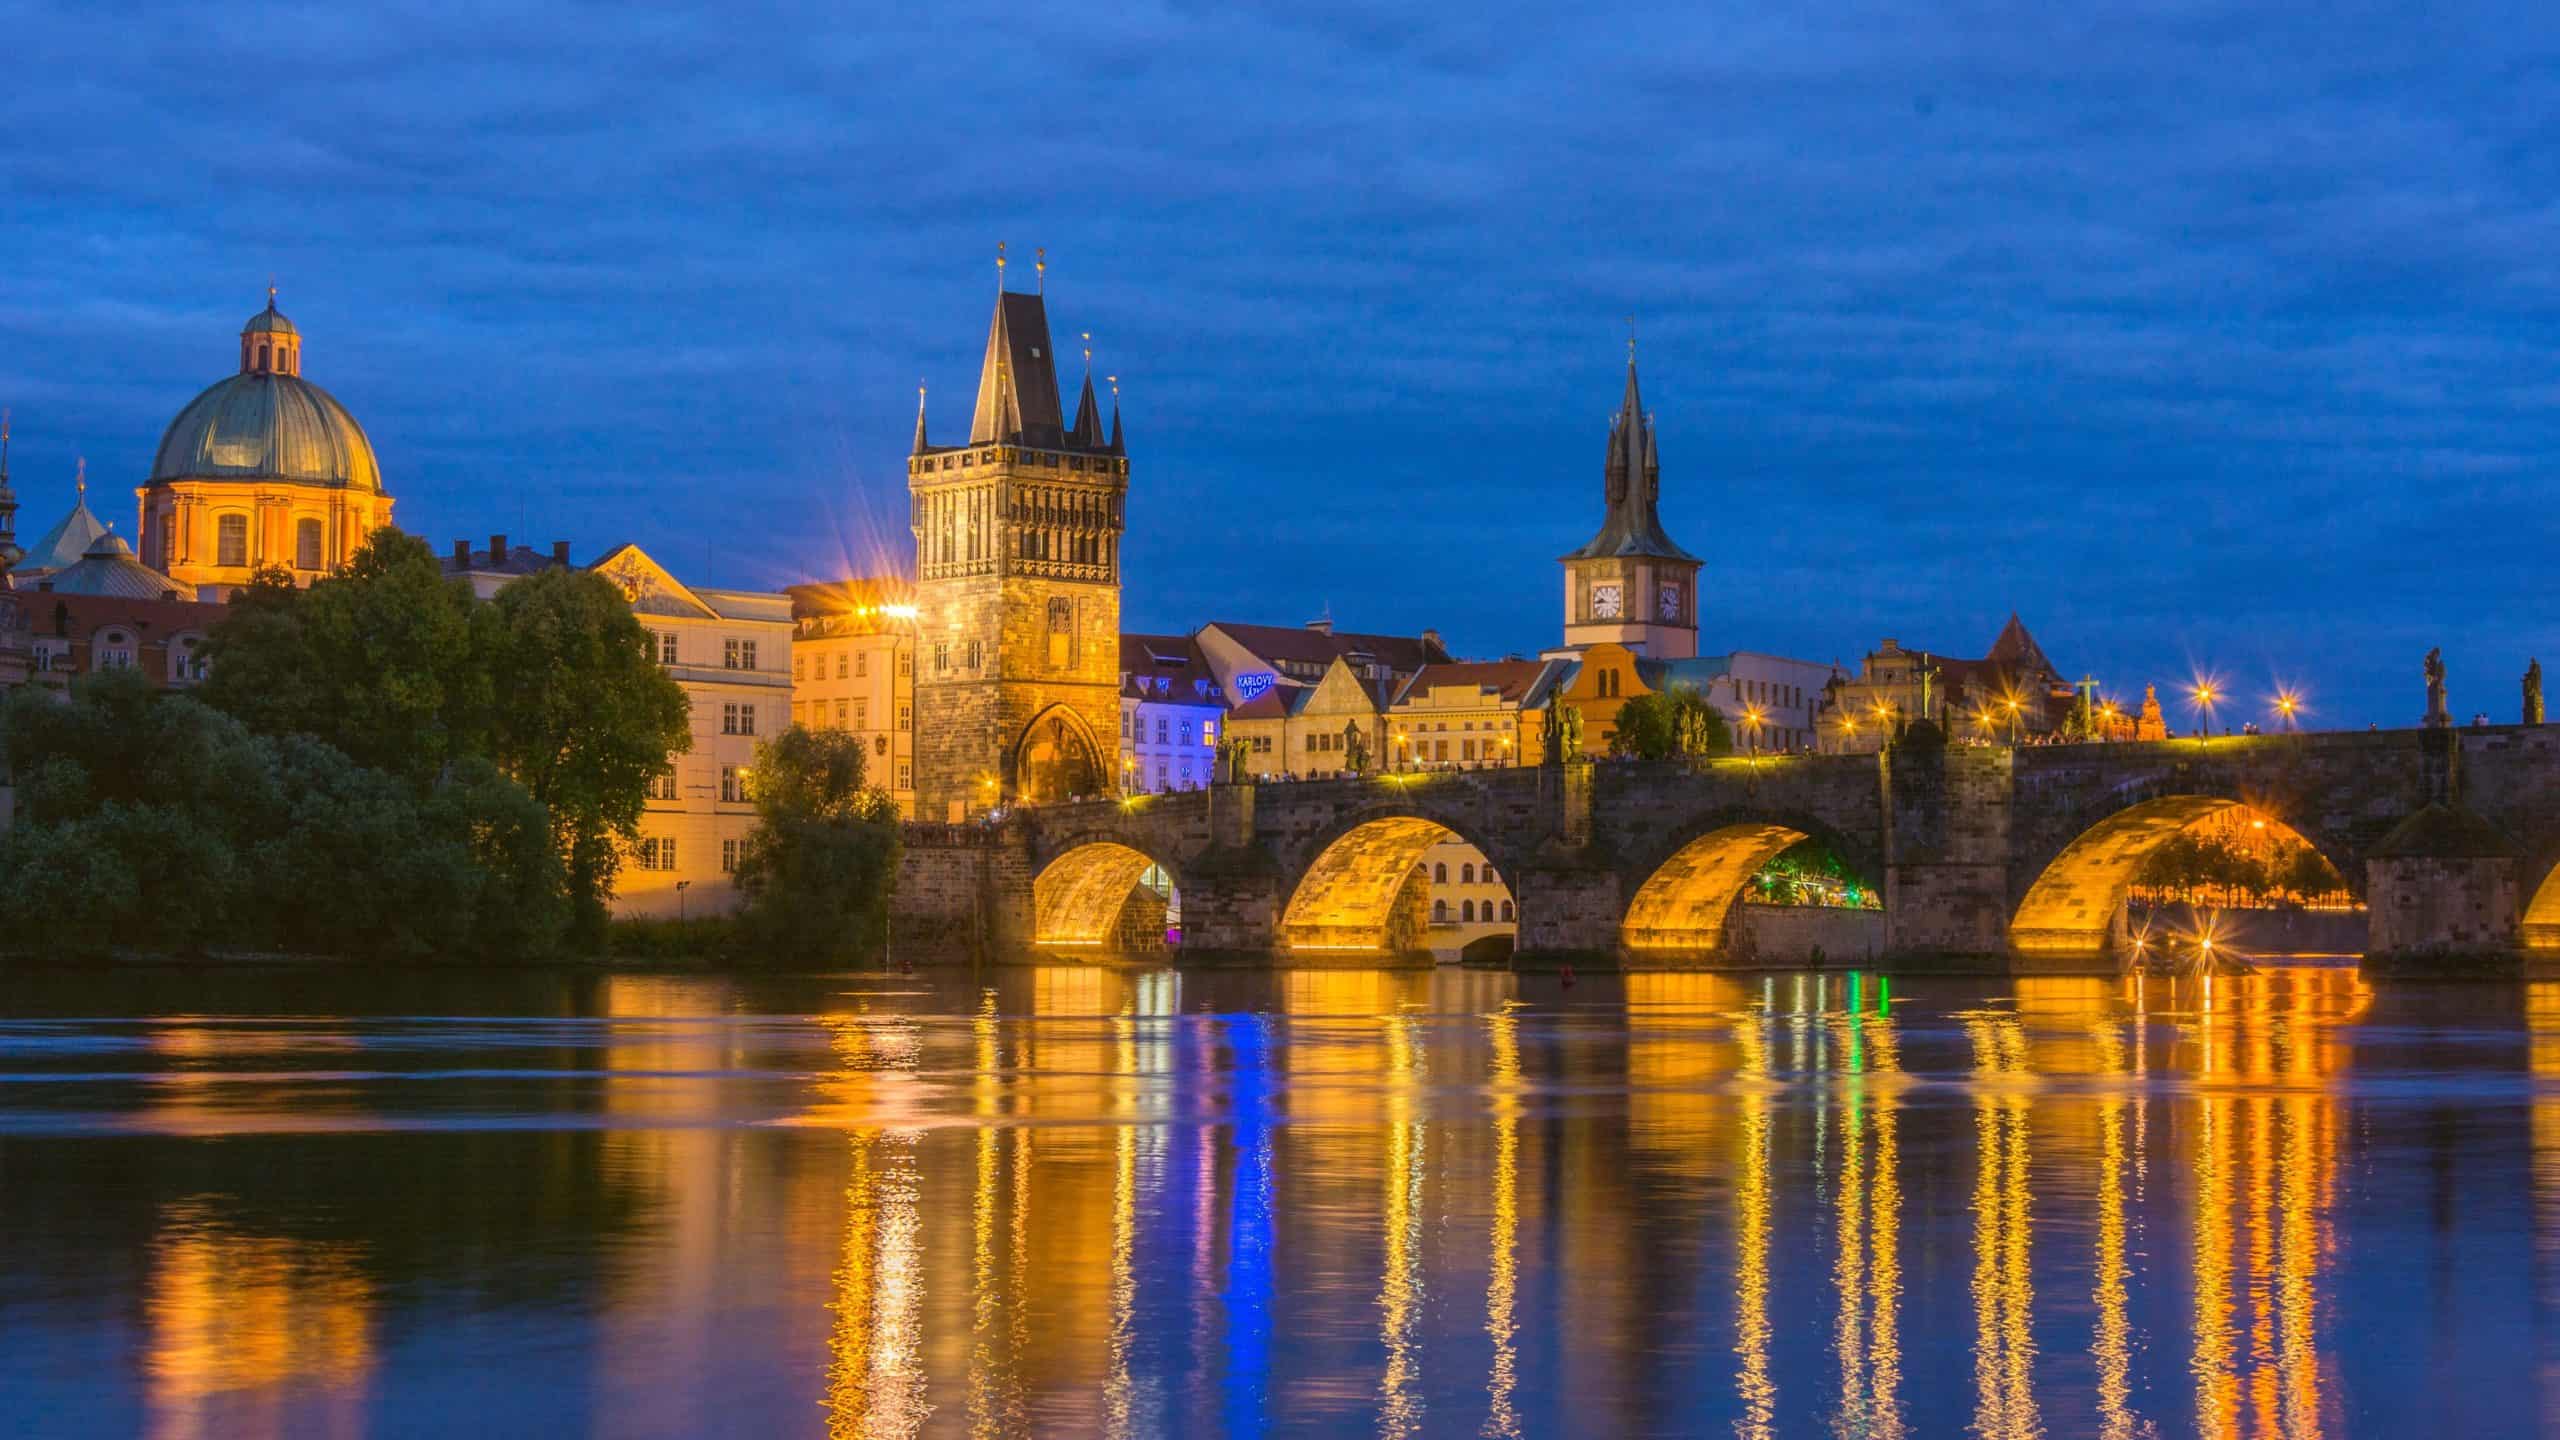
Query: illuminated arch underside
x,y
1684,904
1349,894
2068,909
1077,900
2542,914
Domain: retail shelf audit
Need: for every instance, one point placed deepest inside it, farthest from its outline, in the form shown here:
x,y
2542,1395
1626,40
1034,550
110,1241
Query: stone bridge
x,y
1987,858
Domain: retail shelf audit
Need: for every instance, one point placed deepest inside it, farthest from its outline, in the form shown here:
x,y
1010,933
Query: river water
x,y
1079,1201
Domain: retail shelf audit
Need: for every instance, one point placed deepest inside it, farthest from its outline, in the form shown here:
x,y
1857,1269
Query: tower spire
x,y
1116,442
80,481
1088,427
920,444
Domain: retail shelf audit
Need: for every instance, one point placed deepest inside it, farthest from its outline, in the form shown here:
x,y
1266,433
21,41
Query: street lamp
x,y
681,887
2287,703
2204,695
1751,721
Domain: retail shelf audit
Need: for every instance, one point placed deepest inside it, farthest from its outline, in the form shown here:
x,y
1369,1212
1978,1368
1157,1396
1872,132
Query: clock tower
x,y
1630,584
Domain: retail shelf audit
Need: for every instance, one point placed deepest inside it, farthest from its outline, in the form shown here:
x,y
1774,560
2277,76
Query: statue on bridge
x,y
2437,718
1229,768
1564,731
2533,693
1355,748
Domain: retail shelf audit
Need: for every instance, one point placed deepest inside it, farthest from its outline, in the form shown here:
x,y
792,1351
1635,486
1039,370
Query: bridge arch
x,y
2070,907
1082,897
1691,885
1363,887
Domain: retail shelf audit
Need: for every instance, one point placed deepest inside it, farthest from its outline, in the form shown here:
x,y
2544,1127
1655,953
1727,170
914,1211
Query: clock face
x,y
1607,601
1667,603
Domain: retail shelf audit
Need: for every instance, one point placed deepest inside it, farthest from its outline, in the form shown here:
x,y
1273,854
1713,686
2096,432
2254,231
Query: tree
x,y
818,870
1667,724
378,660
583,718
155,821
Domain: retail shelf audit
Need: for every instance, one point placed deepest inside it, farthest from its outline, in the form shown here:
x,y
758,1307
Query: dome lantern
x,y
269,345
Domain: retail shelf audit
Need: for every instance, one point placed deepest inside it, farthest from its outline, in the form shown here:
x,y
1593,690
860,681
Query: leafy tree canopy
x,y
1670,724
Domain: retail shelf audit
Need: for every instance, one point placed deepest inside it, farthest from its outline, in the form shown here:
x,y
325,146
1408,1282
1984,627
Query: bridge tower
x,y
1018,584
1630,583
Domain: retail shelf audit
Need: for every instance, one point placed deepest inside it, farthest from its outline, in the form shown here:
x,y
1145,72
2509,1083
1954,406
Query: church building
x,y
264,468
1018,585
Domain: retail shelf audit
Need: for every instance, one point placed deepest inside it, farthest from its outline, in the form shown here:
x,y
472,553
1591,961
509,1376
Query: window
x,y
1466,874
114,651
658,853
736,654
906,665
1487,876
1439,912
906,715
1161,722
738,719
306,544
1467,911
662,786
974,654
1439,749
906,781
861,714
730,791
1466,749
728,857
1440,873
666,647
840,713
941,656
861,665
799,666
1506,912
231,540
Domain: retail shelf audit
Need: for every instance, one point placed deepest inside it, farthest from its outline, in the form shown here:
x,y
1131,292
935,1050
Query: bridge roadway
x,y
1988,858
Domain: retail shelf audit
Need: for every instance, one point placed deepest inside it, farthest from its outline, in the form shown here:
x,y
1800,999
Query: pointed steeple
x,y
1018,381
1631,484
1118,445
920,441
10,554
1088,431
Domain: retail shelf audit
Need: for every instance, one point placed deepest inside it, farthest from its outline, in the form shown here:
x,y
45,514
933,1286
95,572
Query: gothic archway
x,y
1056,759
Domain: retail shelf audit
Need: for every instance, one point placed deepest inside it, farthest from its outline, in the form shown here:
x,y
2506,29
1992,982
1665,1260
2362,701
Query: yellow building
x,y
731,652
264,468
853,669
1473,715
2010,694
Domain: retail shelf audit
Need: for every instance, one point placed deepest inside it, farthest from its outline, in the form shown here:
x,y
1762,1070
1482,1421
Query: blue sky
x,y
2200,334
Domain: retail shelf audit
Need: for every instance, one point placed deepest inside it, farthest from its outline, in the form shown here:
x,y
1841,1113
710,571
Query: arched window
x,y
1487,875
1467,911
1506,912
1467,874
1439,912
262,355
1440,874
306,544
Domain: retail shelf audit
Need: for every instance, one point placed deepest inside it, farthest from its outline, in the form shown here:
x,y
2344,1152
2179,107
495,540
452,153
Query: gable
x,y
649,587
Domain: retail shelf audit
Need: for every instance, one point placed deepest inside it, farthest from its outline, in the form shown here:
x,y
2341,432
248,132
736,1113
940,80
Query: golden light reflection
x,y
876,1371
2111,1346
1117,1394
1867,1267
1751,1239
2003,1288
1502,1282
1400,1290
247,1323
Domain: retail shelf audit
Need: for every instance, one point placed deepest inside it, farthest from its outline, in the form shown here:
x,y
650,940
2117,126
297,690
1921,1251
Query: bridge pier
x,y
1946,863
1569,909
2443,899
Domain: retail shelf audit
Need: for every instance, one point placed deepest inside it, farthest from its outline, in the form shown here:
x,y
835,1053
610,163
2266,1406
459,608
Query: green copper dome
x,y
267,422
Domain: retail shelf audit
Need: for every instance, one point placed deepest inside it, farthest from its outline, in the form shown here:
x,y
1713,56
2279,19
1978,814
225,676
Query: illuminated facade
x,y
1473,715
2012,693
263,469
1018,586
853,669
1630,584
730,651
1171,714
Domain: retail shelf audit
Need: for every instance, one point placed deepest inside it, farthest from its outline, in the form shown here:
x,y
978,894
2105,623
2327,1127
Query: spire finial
x,y
1631,342
4,447
1087,337
999,267
80,480
1040,269
1115,388
271,290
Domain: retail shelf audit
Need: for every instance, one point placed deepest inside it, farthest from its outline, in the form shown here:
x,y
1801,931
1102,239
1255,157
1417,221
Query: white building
x,y
1172,711
731,652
